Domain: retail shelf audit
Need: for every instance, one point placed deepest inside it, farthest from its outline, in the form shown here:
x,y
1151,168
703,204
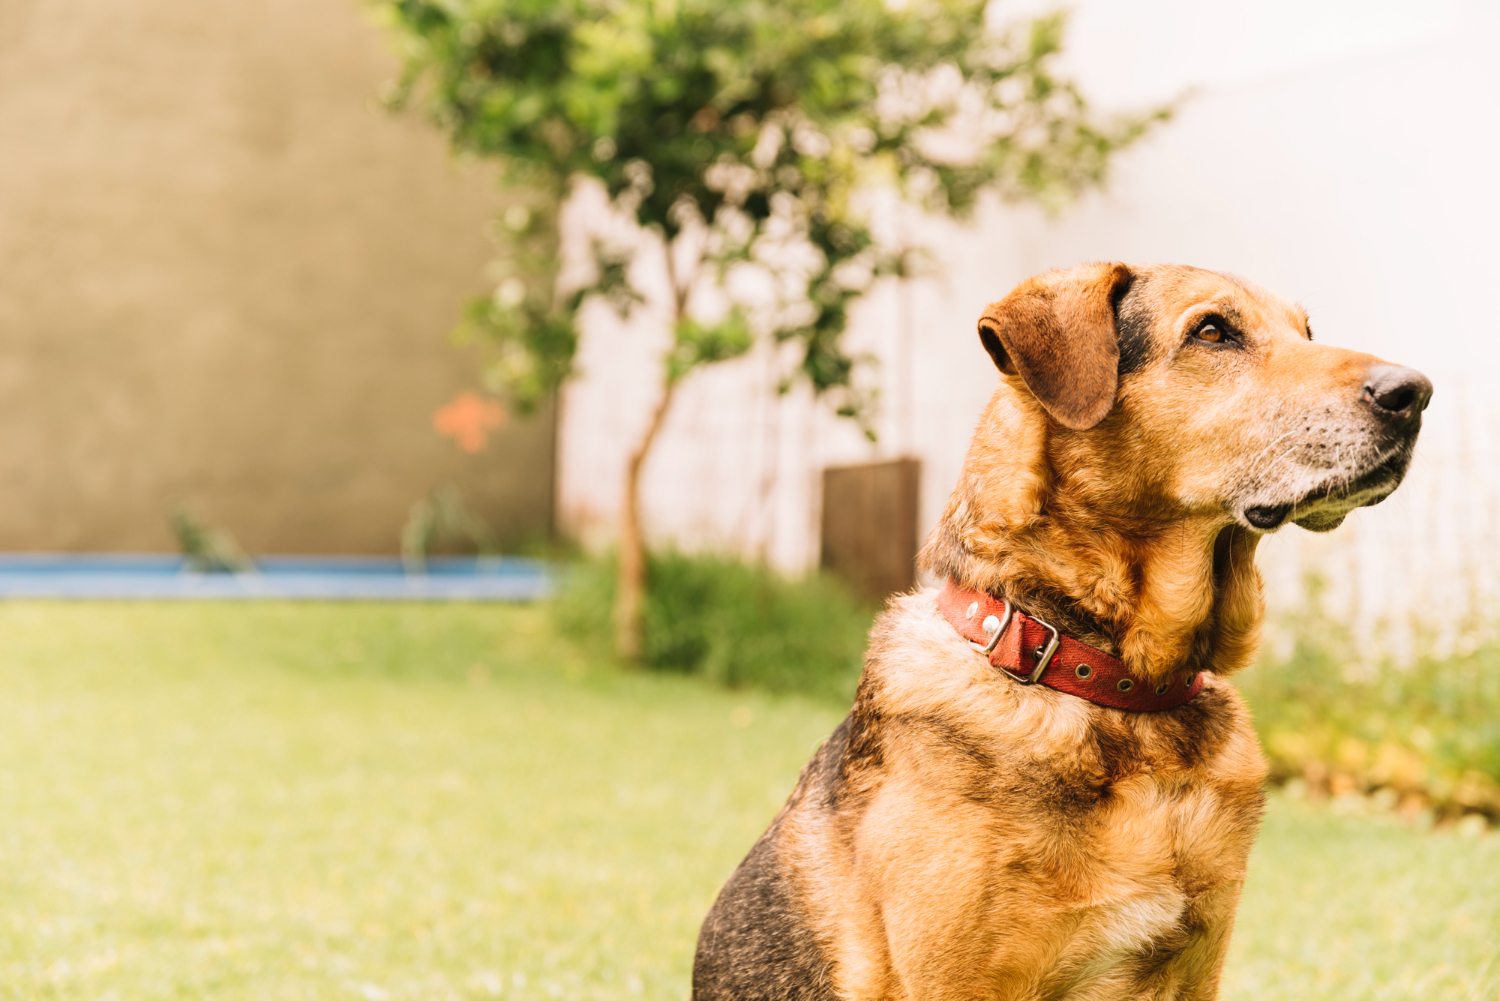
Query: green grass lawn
x,y
443,801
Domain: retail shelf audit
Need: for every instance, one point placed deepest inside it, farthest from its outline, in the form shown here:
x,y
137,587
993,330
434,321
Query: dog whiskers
x,y
1255,462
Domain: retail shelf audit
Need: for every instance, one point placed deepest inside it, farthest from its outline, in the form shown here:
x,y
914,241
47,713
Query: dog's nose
x,y
1397,391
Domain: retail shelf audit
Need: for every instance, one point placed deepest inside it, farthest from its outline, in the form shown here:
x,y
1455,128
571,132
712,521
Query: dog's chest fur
x,y
964,836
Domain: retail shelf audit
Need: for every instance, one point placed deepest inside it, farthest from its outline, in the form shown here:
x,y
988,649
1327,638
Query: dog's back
x,y
760,941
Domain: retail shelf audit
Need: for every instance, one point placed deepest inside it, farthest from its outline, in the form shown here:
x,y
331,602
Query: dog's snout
x,y
1396,391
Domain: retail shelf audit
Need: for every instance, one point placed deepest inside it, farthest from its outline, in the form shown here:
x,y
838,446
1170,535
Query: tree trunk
x,y
630,579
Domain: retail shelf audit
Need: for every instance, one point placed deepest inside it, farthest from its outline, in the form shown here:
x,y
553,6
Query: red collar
x,y
1031,651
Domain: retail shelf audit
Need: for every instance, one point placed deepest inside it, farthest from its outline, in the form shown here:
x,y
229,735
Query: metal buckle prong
x,y
1046,657
989,648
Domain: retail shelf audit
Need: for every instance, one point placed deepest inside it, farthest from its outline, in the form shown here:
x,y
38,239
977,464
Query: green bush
x,y
1428,732
738,624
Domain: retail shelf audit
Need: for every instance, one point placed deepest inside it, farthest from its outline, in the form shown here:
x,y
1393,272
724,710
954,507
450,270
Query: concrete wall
x,y
225,280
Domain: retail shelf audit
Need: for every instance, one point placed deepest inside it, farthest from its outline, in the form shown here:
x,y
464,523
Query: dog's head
x,y
1178,392
1152,423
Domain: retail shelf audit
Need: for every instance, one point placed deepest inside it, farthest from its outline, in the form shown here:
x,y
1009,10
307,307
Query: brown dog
x,y
964,834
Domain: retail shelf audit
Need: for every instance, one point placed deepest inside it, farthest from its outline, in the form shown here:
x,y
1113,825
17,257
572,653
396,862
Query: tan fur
x,y
1121,519
965,836
948,885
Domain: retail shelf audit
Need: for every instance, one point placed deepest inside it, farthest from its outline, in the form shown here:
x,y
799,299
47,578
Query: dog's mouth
x,y
1324,506
1267,516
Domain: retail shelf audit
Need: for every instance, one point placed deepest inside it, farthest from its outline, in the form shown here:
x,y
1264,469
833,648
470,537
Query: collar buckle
x,y
1044,654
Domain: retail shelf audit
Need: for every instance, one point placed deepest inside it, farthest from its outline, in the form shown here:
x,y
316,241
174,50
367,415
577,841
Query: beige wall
x,y
225,279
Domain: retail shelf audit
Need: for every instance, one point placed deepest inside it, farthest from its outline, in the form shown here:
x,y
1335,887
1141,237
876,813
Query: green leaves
x,y
757,121
695,344
528,351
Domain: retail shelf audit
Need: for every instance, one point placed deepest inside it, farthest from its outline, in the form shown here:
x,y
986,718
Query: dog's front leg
x,y
1192,974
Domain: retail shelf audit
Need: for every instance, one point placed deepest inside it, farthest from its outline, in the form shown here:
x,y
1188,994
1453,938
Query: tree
x,y
732,134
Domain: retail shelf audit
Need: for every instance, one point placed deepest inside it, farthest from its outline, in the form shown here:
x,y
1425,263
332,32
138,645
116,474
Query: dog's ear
x,y
1057,332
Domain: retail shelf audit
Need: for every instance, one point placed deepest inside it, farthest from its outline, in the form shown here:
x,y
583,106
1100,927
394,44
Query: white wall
x,y
1340,153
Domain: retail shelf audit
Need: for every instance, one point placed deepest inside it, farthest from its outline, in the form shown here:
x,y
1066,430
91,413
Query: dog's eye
x,y
1209,332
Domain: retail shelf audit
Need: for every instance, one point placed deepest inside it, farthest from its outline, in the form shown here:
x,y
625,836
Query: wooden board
x,y
870,525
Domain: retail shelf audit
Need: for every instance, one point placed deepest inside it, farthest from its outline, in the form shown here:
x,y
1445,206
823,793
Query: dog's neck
x,y
1164,595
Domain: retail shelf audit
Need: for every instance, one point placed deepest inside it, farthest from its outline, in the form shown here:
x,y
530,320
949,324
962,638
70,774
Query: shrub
x,y
1429,733
738,624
